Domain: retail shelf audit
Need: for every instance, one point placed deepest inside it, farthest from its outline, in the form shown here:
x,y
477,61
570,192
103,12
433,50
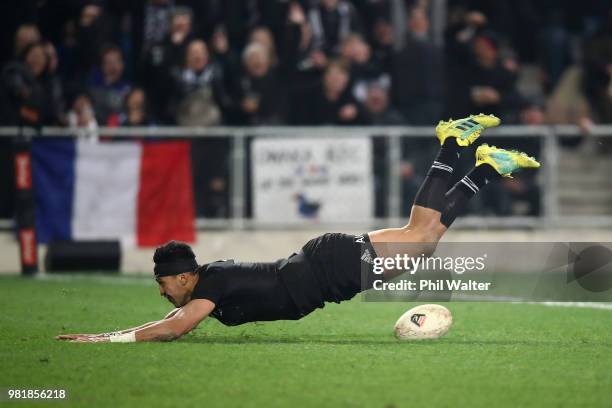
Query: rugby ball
x,y
424,322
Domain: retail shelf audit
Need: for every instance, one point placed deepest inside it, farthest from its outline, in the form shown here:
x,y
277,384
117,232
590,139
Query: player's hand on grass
x,y
71,337
90,339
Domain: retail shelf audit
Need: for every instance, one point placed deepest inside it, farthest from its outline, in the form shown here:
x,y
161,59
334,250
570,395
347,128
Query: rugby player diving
x,y
333,267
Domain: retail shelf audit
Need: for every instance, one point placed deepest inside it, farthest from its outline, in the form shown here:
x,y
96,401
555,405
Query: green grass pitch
x,y
496,354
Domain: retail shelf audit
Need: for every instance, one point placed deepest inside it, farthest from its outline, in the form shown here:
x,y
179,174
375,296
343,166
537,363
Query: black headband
x,y
175,268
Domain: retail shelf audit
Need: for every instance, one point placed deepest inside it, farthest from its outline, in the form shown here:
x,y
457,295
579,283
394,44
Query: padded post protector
x,y
83,256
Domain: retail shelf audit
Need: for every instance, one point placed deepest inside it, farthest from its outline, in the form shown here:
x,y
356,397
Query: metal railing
x,y
549,181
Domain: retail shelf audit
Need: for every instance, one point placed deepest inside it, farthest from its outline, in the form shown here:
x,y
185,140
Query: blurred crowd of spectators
x,y
97,63
312,62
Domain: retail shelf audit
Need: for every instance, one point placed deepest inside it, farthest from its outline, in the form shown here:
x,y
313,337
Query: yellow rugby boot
x,y
465,130
505,162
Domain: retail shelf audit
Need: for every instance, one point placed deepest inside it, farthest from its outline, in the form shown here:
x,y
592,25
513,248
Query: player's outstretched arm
x,y
177,323
142,326
182,322
131,329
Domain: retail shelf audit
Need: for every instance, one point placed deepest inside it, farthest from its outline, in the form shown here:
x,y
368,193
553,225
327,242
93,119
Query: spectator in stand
x,y
51,53
25,98
332,102
331,21
67,54
81,115
263,36
597,69
107,86
164,57
156,22
25,35
479,79
533,112
382,43
229,63
174,44
303,62
553,48
377,106
493,81
418,73
53,86
357,54
302,36
95,30
583,95
135,111
568,104
262,96
371,13
198,89
224,54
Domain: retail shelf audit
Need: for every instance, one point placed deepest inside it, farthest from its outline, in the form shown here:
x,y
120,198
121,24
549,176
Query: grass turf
x,y
496,354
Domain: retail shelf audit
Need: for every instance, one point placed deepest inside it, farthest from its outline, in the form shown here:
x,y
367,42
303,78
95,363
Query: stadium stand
x,y
90,65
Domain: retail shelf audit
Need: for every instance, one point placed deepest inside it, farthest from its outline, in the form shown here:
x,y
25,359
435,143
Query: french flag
x,y
140,193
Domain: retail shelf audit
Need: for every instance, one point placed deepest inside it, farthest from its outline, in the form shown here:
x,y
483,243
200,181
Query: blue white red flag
x,y
140,193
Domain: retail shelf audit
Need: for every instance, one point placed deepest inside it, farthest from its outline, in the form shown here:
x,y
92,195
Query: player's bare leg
x,y
424,228
435,208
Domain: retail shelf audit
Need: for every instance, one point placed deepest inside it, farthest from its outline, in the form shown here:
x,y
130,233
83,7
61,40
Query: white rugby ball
x,y
424,322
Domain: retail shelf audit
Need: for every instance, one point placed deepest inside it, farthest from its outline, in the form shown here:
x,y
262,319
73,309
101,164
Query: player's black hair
x,y
173,252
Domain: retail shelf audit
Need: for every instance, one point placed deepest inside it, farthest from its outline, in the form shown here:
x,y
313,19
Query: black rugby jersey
x,y
330,268
245,292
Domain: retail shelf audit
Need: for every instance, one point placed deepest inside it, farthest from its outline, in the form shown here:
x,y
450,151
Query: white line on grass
x,y
584,305
516,300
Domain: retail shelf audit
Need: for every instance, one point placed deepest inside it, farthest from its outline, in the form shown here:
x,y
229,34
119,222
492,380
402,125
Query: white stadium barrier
x,y
548,177
253,239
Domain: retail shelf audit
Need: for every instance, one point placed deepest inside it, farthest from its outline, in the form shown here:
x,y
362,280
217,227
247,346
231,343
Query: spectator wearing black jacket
x,y
25,35
418,73
262,98
135,110
365,70
107,85
301,62
331,21
155,21
331,102
479,79
263,35
163,57
198,89
94,31
491,81
53,86
378,109
25,99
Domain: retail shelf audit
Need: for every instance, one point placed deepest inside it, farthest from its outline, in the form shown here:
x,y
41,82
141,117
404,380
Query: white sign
x,y
312,179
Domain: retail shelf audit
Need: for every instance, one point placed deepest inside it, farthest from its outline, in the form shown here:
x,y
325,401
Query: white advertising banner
x,y
312,180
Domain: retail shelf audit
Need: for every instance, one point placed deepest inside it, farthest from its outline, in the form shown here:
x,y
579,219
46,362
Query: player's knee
x,y
420,240
436,231
430,232
428,247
